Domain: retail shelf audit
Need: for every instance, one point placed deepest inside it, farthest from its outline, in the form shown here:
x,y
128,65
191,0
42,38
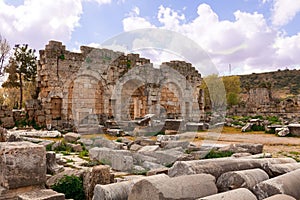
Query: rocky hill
x,y
283,83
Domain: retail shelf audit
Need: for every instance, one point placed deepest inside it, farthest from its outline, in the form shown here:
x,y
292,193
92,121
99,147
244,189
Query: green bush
x,y
257,128
218,154
71,186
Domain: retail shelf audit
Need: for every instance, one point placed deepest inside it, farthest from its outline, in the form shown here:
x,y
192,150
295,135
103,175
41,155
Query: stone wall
x,y
87,88
259,101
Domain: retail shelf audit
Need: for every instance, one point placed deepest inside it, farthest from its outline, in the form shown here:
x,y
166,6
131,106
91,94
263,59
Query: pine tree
x,y
21,68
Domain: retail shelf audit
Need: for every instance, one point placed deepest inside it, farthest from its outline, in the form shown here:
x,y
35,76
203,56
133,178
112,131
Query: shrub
x,y
218,154
71,186
257,128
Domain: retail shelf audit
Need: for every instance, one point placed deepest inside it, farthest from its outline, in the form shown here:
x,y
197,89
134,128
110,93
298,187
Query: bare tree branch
x,y
4,51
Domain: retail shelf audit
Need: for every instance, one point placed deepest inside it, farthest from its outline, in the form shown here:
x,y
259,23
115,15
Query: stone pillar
x,y
22,168
187,187
241,179
218,166
285,184
119,191
238,194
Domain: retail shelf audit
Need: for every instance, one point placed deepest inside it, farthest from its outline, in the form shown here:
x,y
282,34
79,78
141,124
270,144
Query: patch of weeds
x,y
119,140
71,186
140,172
294,153
69,160
92,163
218,154
49,147
65,153
169,165
257,128
84,153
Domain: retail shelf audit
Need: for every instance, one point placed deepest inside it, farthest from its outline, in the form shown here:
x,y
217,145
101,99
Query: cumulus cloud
x,y
38,21
248,43
284,11
133,21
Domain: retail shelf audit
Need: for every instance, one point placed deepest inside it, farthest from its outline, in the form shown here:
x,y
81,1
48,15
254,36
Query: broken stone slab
x,y
247,127
166,157
151,165
190,136
193,126
102,142
163,170
118,159
144,141
71,137
171,132
274,170
115,132
294,129
241,179
120,190
218,166
96,175
135,147
284,184
12,194
284,131
280,197
139,159
45,194
67,172
75,147
187,187
260,155
174,144
22,164
121,162
149,148
243,148
52,166
237,194
35,133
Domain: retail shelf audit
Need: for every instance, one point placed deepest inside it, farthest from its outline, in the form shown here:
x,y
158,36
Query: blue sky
x,y
250,35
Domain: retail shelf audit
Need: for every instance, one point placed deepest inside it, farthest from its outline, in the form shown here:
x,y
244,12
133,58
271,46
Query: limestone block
x,y
52,166
294,129
218,166
280,197
149,148
280,169
243,148
71,137
237,194
241,179
22,164
285,184
45,194
165,157
183,187
120,162
119,191
174,144
93,176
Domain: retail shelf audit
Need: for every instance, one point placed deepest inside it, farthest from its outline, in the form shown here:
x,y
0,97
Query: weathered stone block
x,y
72,137
22,164
184,187
96,175
45,194
238,194
285,184
241,179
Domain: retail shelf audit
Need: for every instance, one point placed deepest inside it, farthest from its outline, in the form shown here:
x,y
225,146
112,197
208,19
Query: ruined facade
x,y
90,87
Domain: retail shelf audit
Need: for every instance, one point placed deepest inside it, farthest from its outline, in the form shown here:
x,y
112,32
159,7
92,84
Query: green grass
x,y
218,154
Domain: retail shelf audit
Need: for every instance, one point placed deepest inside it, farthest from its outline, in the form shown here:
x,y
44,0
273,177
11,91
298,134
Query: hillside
x,y
283,83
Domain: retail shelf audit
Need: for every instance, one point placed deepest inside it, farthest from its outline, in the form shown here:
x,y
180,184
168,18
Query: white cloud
x,y
100,2
248,43
36,22
284,11
133,21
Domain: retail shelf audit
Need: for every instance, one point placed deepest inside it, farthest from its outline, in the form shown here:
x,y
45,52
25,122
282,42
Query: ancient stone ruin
x,y
87,88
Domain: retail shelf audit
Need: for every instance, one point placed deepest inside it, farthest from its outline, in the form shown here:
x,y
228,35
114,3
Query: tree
x,y
21,69
4,51
232,86
214,92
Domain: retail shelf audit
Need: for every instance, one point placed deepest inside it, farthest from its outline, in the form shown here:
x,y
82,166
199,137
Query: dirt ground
x,y
277,146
